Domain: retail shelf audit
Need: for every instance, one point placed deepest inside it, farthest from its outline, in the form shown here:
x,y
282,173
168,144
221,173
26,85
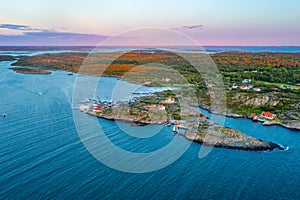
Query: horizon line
x,y
112,46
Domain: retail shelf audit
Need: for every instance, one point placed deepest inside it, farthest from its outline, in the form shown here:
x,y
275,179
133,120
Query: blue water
x,y
282,49
254,49
195,49
43,157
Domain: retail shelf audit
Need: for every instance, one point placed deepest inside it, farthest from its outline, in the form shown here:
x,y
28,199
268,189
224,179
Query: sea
x,y
45,153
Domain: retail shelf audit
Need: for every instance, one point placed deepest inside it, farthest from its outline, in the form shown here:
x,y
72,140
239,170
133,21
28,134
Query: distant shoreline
x,y
207,48
24,70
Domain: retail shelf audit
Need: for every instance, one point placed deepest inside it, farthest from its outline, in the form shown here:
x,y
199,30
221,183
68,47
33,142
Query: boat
x,y
174,129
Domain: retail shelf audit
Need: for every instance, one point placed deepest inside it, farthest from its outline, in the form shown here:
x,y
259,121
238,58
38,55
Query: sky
x,y
209,22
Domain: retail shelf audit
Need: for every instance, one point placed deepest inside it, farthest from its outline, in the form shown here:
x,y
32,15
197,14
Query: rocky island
x,y
159,108
7,58
24,70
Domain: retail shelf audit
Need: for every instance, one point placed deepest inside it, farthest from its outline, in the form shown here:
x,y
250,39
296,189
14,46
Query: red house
x,y
98,108
254,117
169,100
268,115
244,87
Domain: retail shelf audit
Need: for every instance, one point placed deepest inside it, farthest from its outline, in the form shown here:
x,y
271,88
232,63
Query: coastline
x,y
25,70
124,120
264,122
282,125
255,145
232,115
269,146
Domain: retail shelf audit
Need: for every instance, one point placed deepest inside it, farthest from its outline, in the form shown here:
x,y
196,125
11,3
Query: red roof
x,y
254,116
268,114
170,99
100,106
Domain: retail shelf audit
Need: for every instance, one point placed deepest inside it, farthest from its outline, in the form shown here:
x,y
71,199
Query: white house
x,y
169,100
257,89
161,107
246,80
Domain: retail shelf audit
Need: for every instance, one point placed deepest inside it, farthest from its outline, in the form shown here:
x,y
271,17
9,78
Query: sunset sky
x,y
210,22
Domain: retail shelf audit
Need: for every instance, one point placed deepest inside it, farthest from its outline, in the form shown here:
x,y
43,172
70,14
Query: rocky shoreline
x,y
24,70
265,123
130,120
282,125
215,135
265,146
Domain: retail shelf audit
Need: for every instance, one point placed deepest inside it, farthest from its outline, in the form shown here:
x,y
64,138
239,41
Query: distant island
x,y
7,58
24,70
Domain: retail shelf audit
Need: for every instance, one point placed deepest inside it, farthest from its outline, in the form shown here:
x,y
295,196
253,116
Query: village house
x,y
98,108
254,117
268,115
148,83
246,80
244,87
161,107
170,100
257,89
150,106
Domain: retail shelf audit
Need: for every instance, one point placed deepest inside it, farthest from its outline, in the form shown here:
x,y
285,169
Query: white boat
x,y
174,129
